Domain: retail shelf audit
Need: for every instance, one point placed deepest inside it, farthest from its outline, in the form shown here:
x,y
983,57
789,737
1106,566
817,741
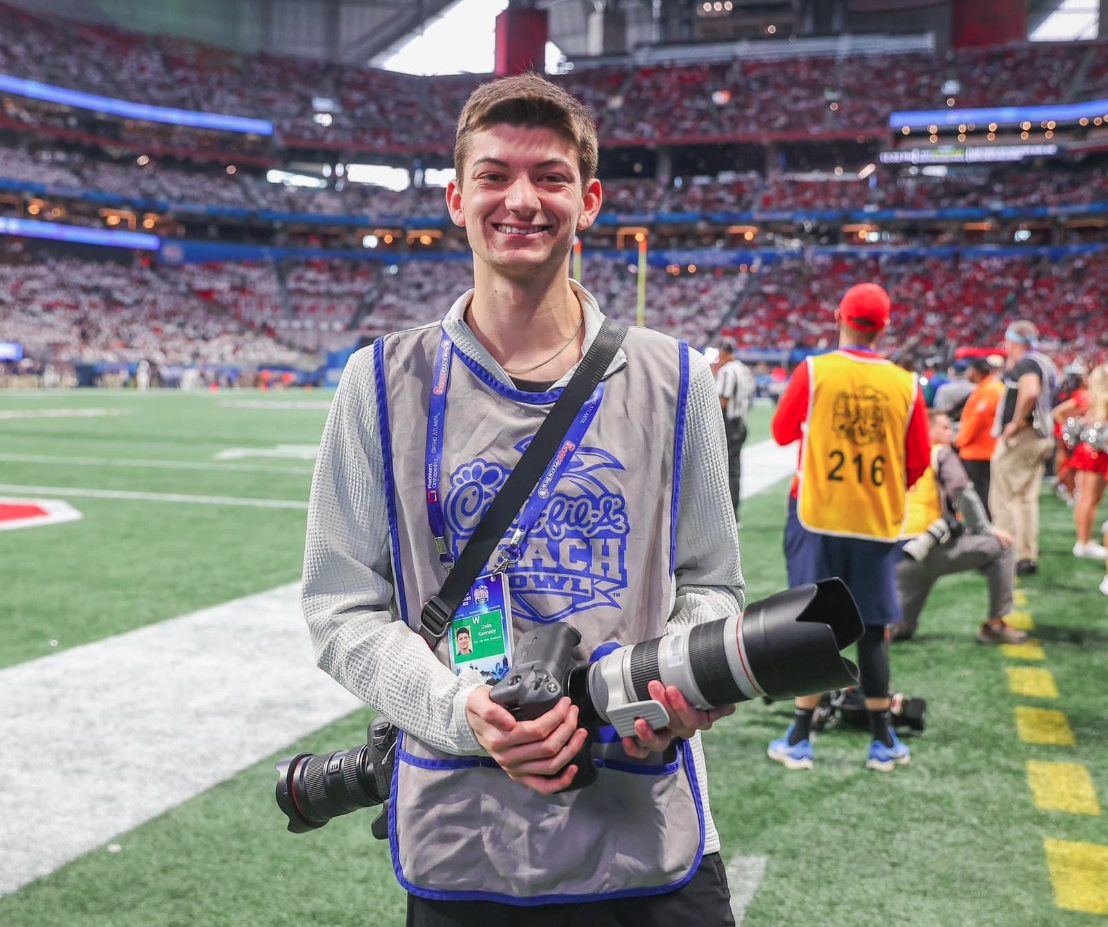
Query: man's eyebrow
x,y
556,162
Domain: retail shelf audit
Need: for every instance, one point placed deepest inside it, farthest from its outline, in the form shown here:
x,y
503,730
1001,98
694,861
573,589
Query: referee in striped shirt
x,y
735,385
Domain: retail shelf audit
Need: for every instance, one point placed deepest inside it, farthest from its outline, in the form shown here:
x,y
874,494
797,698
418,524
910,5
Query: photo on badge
x,y
480,634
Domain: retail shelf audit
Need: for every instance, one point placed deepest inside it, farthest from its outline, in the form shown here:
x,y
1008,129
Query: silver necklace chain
x,y
576,331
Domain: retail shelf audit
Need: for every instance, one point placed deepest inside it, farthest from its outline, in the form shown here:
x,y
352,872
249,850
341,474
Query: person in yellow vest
x,y
948,531
864,439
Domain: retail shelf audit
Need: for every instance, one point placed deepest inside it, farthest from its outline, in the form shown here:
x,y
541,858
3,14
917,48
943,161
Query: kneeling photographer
x,y
939,544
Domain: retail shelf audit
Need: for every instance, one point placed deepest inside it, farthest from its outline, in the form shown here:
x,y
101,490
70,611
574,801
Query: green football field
x,y
192,500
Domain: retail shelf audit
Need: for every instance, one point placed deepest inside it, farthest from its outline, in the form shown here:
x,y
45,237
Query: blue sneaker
x,y
883,758
798,756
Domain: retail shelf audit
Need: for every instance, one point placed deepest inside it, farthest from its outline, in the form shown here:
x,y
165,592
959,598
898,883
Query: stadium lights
x,y
295,180
834,106
991,136
692,268
933,129
962,127
323,119
231,168
142,160
771,28
1025,136
34,209
950,101
370,241
1048,134
906,130
866,171
1084,120
961,136
992,126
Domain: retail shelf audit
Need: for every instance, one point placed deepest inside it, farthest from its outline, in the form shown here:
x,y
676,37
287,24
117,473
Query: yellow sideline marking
x,y
1032,650
1031,681
1019,597
1062,787
1043,726
1021,621
1079,872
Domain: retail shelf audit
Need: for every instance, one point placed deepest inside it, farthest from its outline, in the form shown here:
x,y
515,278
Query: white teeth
x,y
519,230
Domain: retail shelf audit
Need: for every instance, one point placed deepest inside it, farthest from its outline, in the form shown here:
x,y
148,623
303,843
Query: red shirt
x,y
792,411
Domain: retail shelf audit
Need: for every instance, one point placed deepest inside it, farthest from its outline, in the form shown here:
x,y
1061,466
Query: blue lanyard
x,y
536,502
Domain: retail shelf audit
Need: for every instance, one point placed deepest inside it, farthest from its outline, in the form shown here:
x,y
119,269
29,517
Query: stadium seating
x,y
793,97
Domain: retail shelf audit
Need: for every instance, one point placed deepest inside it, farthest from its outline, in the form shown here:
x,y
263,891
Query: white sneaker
x,y
1090,550
1104,585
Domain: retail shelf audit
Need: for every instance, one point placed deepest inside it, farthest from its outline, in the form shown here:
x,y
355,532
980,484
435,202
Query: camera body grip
x,y
539,679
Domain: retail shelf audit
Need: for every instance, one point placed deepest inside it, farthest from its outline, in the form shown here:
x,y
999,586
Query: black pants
x,y
703,901
736,437
979,473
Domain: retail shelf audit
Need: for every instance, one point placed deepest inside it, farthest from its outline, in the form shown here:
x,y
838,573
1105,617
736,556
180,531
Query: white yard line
x,y
764,464
152,464
744,875
81,492
101,738
60,413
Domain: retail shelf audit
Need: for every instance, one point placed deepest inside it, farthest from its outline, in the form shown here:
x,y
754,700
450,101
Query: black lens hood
x,y
792,639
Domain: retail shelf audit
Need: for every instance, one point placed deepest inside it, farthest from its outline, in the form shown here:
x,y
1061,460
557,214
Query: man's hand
x,y
530,752
1012,429
684,721
1006,540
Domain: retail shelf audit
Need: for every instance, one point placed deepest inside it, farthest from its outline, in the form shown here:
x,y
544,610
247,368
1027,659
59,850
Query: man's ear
x,y
454,203
593,198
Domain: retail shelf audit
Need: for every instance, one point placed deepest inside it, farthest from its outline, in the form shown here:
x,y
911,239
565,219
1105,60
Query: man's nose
x,y
522,197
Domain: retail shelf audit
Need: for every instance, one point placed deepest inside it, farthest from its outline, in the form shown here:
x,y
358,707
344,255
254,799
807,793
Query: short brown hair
x,y
528,100
933,415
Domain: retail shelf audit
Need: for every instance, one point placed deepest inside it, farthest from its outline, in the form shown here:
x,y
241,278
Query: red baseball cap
x,y
865,307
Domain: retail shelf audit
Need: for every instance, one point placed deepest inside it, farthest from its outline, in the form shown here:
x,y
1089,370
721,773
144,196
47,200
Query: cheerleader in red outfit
x,y
1073,406
1090,461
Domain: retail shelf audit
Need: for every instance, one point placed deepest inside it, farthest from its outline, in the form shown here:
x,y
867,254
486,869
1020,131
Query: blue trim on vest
x,y
533,399
458,762
685,758
473,762
679,448
390,480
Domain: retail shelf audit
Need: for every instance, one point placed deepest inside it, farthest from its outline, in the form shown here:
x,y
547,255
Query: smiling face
x,y
520,199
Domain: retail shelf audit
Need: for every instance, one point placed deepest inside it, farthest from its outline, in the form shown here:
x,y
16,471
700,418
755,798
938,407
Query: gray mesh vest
x,y
601,558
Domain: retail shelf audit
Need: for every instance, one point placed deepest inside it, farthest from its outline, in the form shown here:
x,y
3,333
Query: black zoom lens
x,y
312,789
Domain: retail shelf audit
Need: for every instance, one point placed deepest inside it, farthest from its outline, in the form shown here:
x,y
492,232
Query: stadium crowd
x,y
800,96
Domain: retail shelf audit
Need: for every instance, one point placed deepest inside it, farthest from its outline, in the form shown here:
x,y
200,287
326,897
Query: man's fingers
x,y
633,748
518,754
549,765
542,727
548,785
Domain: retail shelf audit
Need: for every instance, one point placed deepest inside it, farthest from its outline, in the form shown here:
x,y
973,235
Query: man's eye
x,y
495,178
554,178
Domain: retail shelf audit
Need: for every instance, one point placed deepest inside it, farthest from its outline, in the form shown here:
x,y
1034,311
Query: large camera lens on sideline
x,y
782,647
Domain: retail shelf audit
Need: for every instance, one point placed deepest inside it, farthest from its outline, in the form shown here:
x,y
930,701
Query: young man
x,y
975,433
863,427
1026,431
736,392
634,540
945,492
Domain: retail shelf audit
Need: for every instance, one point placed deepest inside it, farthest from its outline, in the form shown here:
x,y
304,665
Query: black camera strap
x,y
439,610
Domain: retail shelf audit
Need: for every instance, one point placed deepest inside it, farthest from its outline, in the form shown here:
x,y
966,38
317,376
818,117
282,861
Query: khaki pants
x,y
1017,474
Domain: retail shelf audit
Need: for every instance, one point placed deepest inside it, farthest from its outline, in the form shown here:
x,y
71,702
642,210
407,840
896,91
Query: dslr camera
x,y
940,531
783,646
